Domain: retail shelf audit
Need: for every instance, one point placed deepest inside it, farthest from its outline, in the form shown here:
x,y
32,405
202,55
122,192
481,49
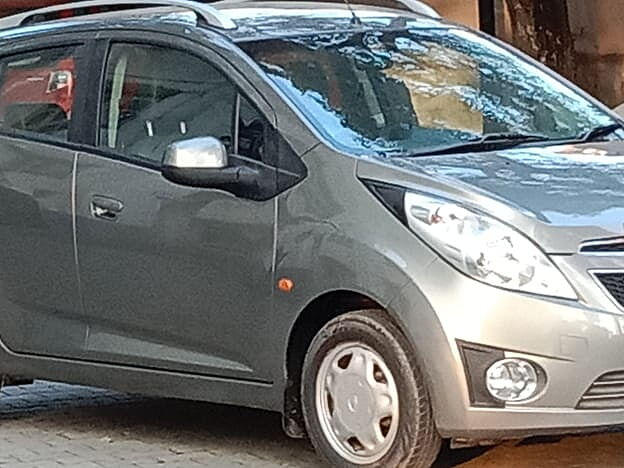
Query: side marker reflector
x,y
286,284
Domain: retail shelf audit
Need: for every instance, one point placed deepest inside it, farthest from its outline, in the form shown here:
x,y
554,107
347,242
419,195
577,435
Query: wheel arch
x,y
318,312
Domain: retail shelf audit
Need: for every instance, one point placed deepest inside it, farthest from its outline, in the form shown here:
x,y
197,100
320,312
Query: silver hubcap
x,y
357,403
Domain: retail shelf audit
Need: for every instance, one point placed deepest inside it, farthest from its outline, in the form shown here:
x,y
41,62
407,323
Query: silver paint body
x,y
177,296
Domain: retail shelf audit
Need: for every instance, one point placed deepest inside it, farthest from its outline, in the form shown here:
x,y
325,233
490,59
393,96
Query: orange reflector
x,y
286,284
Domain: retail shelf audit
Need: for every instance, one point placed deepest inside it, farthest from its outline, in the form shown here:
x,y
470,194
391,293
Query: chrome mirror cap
x,y
196,153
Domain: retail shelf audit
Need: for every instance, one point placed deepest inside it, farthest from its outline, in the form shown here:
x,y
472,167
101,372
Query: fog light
x,y
512,380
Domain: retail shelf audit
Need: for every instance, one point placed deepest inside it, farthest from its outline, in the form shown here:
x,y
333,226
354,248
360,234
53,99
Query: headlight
x,y
484,248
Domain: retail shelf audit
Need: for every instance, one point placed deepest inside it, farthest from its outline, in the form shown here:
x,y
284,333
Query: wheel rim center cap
x,y
352,403
355,403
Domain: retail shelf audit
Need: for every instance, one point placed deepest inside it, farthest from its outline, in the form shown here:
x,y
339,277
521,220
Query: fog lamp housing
x,y
513,380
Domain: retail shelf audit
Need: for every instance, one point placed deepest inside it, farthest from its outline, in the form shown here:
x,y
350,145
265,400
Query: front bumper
x,y
574,343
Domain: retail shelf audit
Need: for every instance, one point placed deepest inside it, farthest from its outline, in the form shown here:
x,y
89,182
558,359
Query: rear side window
x,y
37,91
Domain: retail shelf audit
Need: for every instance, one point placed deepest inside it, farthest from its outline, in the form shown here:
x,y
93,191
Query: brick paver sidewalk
x,y
49,425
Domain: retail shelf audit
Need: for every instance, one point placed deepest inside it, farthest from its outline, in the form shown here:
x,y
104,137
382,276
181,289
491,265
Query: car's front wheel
x,y
364,399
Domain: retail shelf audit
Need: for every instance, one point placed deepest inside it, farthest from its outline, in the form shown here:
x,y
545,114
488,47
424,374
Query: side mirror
x,y
186,161
203,162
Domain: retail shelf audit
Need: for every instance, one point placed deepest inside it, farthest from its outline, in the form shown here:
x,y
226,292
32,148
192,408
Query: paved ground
x,y
52,425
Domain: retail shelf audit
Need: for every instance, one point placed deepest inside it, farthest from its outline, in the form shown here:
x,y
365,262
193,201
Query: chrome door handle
x,y
105,208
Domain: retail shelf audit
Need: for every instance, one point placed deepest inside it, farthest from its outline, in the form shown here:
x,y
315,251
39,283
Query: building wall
x,y
598,30
461,11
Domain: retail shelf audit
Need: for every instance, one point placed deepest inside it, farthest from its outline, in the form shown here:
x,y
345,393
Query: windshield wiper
x,y
490,142
497,141
512,137
599,132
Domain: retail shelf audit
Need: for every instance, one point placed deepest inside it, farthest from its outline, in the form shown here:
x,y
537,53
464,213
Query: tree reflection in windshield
x,y
401,91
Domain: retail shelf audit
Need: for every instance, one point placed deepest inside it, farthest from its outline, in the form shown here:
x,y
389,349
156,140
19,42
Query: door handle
x,y
106,208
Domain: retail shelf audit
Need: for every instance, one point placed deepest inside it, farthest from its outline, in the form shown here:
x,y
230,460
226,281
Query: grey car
x,y
388,227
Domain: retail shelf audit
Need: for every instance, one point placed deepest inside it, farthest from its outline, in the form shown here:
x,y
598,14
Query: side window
x,y
155,96
37,91
252,132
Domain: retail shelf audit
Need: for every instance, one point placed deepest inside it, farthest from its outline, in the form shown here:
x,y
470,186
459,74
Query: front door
x,y
173,277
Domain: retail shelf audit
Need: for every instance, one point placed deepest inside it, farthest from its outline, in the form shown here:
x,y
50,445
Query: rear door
x,y
40,88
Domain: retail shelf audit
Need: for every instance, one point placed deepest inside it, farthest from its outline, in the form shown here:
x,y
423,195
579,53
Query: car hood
x,y
558,195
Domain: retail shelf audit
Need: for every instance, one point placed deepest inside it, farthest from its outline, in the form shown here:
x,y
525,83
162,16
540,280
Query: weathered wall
x,y
582,39
462,11
598,29
592,54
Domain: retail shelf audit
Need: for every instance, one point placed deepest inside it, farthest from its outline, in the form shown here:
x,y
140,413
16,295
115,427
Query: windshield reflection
x,y
399,91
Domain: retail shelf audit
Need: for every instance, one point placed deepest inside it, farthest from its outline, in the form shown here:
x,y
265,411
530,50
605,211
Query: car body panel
x,y
39,303
142,272
332,258
527,326
135,379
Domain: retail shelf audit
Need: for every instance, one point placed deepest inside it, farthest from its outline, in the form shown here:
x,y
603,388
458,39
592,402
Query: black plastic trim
x,y
477,359
391,196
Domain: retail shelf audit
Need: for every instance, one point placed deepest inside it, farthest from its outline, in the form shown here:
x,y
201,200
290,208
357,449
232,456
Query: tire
x,y
346,401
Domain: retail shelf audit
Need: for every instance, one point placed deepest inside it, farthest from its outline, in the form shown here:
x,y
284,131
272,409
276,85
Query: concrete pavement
x,y
48,425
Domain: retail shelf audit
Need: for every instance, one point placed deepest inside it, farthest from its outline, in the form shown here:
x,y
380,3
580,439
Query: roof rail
x,y
206,13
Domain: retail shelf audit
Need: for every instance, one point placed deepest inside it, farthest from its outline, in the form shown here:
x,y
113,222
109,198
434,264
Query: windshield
x,y
402,91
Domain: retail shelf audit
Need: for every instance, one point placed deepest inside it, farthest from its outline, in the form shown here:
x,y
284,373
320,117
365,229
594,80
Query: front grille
x,y
603,247
614,284
607,392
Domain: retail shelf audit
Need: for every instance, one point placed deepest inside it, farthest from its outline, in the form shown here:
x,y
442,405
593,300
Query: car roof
x,y
254,20
258,20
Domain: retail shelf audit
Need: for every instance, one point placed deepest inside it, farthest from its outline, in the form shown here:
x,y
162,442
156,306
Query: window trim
x,y
236,123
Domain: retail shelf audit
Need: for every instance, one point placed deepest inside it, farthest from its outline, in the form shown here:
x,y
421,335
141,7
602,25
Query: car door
x,y
40,87
174,277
